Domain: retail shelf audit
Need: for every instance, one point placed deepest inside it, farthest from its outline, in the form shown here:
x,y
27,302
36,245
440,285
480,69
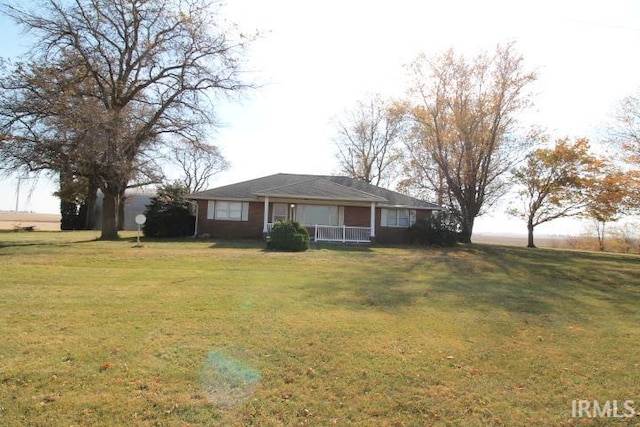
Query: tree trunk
x,y
530,243
467,231
109,226
601,236
121,199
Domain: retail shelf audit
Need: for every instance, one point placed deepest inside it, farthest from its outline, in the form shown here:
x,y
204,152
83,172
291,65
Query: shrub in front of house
x,y
288,236
440,229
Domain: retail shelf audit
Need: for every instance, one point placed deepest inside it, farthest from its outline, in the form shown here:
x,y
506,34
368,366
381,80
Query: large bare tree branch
x,y
367,140
198,162
130,72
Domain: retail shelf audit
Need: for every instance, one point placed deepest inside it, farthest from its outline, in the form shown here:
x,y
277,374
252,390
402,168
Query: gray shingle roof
x,y
311,187
319,188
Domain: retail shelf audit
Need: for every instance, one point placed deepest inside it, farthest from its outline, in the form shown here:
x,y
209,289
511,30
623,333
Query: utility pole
x,y
20,179
18,194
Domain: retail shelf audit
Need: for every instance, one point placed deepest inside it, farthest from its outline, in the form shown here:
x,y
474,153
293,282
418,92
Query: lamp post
x,y
140,219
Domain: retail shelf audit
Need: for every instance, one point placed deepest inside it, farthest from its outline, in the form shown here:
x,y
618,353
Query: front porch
x,y
333,233
325,222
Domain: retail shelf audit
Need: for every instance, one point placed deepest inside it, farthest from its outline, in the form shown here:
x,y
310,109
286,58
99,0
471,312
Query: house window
x,y
401,218
317,215
228,210
279,212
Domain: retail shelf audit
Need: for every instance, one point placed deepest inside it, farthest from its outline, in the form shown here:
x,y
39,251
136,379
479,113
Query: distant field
x,y
42,222
515,240
213,333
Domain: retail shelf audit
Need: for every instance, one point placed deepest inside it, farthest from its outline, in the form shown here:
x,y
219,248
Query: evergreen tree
x,y
168,215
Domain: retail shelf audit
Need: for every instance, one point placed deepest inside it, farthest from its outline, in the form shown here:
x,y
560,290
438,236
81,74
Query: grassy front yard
x,y
202,333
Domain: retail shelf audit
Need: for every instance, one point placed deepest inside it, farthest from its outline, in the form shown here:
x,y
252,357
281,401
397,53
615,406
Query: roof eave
x,y
396,206
310,197
205,197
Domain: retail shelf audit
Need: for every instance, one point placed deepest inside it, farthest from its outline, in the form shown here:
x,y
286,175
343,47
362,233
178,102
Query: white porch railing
x,y
344,234
340,233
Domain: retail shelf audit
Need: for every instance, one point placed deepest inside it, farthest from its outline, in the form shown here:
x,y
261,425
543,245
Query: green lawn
x,y
214,333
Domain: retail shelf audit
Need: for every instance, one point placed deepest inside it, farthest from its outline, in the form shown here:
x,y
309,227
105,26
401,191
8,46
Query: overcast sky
x,y
316,59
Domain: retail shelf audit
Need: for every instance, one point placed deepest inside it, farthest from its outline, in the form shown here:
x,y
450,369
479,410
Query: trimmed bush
x,y
288,236
439,229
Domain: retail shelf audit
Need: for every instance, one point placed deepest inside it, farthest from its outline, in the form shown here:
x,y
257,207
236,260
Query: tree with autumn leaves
x,y
567,180
463,139
611,195
553,183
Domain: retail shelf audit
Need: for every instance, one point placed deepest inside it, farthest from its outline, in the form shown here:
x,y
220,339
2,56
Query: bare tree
x,y
141,69
52,128
464,127
368,140
626,130
618,192
199,163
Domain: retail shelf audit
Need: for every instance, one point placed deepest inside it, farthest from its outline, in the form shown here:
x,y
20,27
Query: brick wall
x,y
357,216
354,216
393,235
251,229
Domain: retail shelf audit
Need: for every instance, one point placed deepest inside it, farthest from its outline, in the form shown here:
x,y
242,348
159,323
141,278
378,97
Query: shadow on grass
x,y
487,278
260,244
38,240
365,283
340,247
540,280
214,243
238,244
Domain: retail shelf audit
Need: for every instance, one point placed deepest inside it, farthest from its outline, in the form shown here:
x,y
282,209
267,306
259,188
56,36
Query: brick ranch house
x,y
333,208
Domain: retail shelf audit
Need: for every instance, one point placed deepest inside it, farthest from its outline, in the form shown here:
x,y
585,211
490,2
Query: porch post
x,y
373,220
265,229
